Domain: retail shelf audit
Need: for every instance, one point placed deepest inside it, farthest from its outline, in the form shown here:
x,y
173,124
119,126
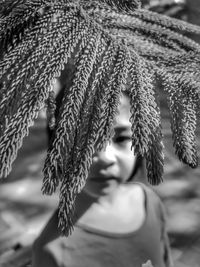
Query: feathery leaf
x,y
113,45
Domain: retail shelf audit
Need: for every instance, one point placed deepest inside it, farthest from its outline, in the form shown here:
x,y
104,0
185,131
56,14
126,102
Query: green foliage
x,y
114,46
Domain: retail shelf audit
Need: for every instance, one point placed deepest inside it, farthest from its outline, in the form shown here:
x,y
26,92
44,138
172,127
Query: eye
x,y
122,139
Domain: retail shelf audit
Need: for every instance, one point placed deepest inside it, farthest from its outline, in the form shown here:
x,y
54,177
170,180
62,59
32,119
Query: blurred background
x,y
24,210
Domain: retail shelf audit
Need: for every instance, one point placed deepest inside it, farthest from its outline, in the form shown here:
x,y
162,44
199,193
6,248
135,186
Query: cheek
x,y
127,164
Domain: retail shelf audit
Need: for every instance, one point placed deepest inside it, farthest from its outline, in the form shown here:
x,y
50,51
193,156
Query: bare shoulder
x,y
140,189
144,192
135,197
135,192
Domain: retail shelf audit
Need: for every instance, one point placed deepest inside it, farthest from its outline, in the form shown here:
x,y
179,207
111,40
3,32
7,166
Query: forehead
x,y
122,118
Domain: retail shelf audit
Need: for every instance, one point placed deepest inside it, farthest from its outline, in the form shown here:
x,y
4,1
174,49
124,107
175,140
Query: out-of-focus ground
x,y
180,193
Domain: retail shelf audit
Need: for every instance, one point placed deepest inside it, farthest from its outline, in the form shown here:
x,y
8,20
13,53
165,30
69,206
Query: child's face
x,y
115,164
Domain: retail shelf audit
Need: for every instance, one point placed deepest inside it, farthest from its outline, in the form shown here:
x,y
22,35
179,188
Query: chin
x,y
100,190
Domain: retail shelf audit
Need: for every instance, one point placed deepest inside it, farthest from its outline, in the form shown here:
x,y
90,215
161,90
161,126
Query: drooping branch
x,y
113,46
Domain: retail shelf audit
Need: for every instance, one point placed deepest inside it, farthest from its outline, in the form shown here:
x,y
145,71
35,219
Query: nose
x,y
106,156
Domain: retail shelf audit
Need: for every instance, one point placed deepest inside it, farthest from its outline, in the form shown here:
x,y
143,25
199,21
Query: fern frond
x,y
51,110
47,72
100,82
113,90
16,19
21,71
145,118
183,121
124,5
69,116
66,208
90,135
117,5
37,40
19,65
49,51
155,160
183,64
18,126
85,139
81,157
165,21
154,33
114,46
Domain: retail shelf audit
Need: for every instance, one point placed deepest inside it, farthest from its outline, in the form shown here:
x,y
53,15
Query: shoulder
x,y
148,191
134,194
125,214
150,197
134,191
134,197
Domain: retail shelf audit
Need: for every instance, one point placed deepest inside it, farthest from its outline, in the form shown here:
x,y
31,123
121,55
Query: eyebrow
x,y
122,128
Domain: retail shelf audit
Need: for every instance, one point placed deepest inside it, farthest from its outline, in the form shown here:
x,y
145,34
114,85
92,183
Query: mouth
x,y
103,179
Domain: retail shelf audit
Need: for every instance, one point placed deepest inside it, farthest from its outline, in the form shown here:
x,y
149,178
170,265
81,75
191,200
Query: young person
x,y
118,221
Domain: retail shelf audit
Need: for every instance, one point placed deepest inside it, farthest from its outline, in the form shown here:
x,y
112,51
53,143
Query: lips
x,y
103,179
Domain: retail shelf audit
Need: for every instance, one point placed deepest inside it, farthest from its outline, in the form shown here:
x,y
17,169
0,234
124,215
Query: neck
x,y
106,199
120,212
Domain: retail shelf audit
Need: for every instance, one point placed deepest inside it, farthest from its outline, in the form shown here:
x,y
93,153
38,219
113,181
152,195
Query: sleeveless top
x,y
88,247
